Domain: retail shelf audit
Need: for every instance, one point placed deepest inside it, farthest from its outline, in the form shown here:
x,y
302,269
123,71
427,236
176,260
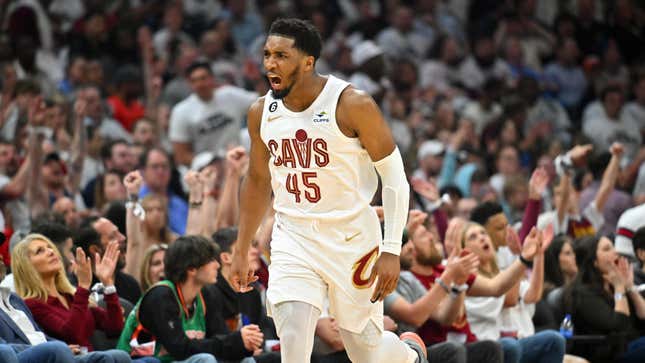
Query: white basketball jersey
x,y
316,171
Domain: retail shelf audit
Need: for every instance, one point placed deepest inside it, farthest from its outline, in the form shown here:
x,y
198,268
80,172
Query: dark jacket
x,y
159,314
10,333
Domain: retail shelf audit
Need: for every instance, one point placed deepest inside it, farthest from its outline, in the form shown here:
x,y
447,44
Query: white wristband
x,y
393,247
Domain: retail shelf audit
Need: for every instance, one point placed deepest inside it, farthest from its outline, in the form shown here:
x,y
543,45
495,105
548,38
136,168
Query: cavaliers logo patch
x,y
360,277
273,106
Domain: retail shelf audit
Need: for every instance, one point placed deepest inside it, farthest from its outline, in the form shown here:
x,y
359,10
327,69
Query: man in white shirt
x,y
210,119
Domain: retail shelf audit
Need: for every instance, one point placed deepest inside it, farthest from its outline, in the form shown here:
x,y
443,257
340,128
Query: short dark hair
x,y
86,237
27,86
305,35
106,148
188,252
56,232
638,240
484,211
143,159
611,88
198,65
225,238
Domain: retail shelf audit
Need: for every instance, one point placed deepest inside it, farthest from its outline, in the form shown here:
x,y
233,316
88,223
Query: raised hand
x,y
415,219
454,233
616,149
193,180
461,265
83,269
626,272
208,176
80,108
578,153
237,160
104,266
133,182
531,245
616,275
538,183
513,240
36,112
425,188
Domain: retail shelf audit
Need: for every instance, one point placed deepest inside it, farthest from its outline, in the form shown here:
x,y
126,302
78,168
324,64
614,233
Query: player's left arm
x,y
359,115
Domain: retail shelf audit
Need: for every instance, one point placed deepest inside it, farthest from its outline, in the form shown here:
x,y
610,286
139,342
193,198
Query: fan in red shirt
x,y
125,104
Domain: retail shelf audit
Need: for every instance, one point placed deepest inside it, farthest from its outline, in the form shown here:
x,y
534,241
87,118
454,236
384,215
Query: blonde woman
x,y
152,269
65,312
155,225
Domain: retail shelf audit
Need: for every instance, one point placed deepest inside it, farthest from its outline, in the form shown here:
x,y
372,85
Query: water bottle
x,y
566,328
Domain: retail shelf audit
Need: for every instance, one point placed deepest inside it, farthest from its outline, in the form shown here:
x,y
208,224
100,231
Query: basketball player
x,y
316,141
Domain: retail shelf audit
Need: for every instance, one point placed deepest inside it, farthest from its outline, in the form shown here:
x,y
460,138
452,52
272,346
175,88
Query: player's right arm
x,y
255,196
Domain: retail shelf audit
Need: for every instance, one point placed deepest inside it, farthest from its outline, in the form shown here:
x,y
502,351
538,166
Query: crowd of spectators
x,y
123,145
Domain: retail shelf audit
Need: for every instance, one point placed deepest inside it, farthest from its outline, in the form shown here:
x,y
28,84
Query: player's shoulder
x,y
254,116
353,102
257,106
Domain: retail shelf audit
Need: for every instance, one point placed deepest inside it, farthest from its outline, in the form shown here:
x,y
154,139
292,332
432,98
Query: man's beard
x,y
278,95
431,260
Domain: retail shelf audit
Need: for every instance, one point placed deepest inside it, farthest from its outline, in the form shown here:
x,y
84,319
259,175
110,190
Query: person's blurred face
x,y
569,52
157,171
109,232
479,242
450,52
56,116
567,259
612,55
113,188
67,208
202,83
613,103
519,197
44,258
156,269
514,51
23,100
155,214
144,134
586,9
95,27
606,255
485,49
121,159
431,164
403,19
509,133
93,100
211,44
496,229
94,72
53,175
173,18
7,159
508,162
207,274
77,70
426,253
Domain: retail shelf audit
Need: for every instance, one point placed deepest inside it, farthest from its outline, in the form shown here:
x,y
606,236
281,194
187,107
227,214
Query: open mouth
x,y
275,81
